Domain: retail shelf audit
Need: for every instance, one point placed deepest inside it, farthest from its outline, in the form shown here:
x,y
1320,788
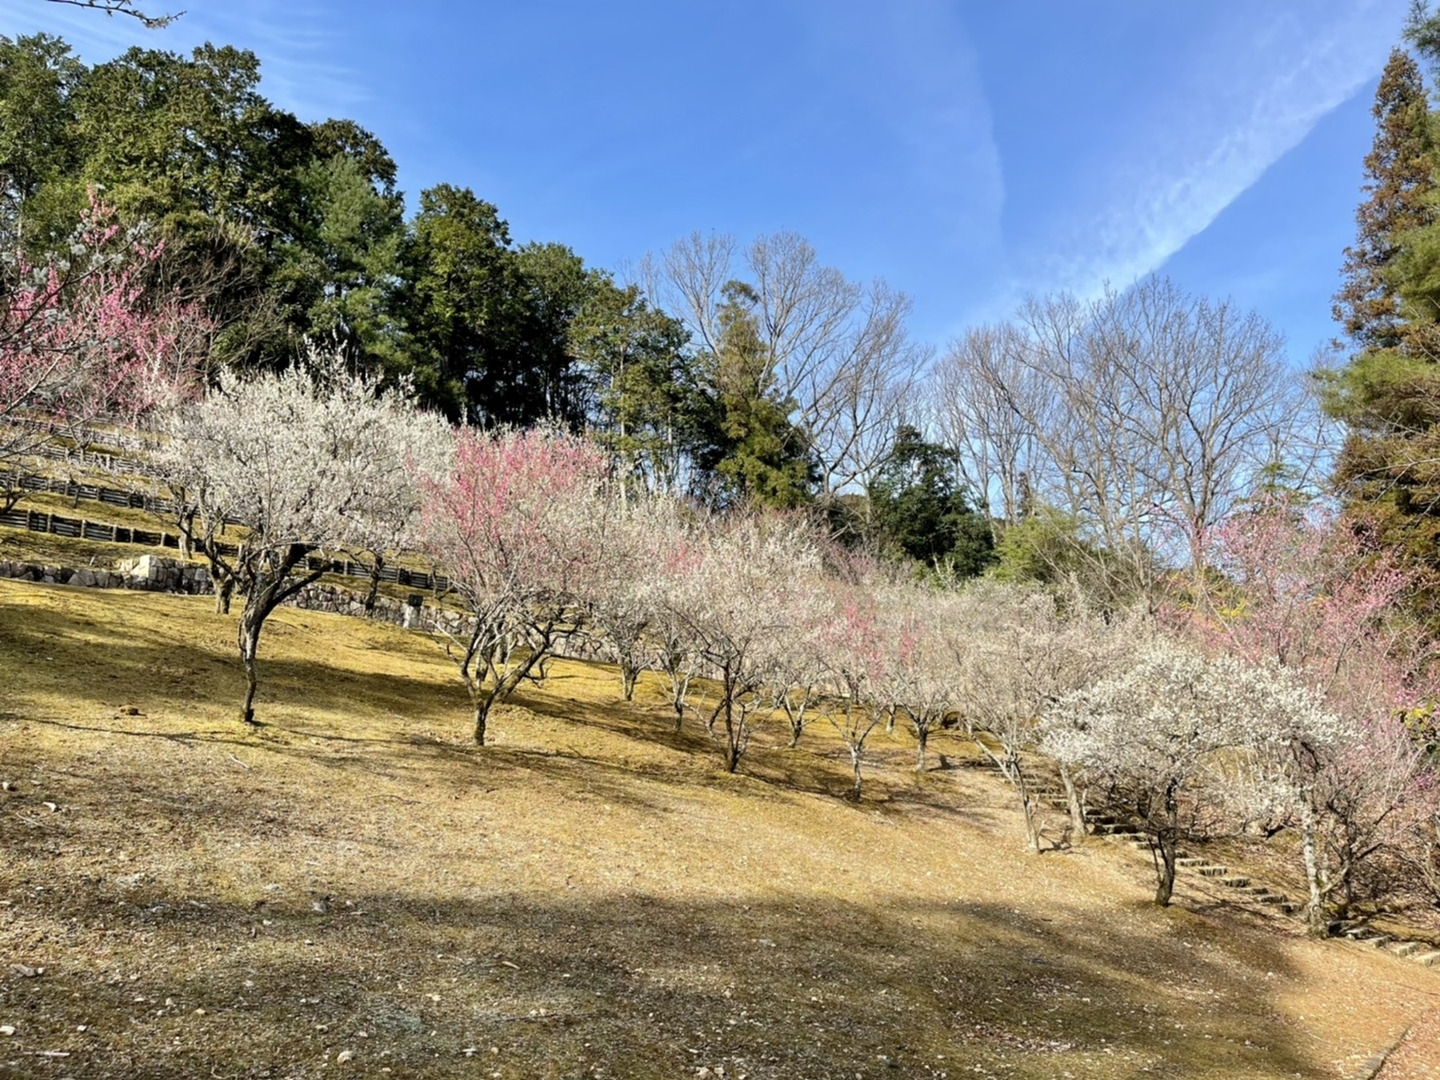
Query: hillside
x,y
355,889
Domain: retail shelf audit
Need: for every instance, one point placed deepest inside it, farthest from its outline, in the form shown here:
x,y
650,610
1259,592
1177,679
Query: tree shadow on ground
x,y
636,986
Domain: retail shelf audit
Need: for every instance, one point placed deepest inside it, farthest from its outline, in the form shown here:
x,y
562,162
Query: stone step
x,y
1407,948
1429,959
1290,907
1273,898
1234,881
1375,940
1118,828
1213,871
1189,860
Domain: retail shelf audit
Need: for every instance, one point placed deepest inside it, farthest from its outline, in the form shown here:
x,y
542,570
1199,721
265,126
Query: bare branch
x,y
125,7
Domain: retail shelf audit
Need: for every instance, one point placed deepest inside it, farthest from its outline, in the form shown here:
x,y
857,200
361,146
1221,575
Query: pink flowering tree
x,y
1297,586
521,526
857,652
80,340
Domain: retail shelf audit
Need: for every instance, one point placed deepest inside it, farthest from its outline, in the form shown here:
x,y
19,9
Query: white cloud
x,y
1215,137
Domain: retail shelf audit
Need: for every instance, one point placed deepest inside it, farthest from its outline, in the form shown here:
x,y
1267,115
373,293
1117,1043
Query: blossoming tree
x,y
524,527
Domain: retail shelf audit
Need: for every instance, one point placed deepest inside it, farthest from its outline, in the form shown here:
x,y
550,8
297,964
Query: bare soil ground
x,y
355,890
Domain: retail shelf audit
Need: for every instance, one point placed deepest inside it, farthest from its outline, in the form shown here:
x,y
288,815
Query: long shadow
x,y
125,668
641,987
825,773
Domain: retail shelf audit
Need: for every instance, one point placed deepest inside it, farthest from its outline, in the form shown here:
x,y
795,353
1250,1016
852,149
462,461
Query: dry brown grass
x,y
590,896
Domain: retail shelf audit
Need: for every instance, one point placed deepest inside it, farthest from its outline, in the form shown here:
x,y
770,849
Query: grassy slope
x,y
588,897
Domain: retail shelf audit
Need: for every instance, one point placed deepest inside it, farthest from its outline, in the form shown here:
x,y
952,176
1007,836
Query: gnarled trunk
x,y
249,635
482,715
1162,848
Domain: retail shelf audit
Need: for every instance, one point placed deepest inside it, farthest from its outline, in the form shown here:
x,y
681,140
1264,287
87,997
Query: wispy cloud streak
x,y
1216,135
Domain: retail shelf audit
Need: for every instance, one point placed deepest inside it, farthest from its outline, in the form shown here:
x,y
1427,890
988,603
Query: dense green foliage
x,y
919,512
1386,391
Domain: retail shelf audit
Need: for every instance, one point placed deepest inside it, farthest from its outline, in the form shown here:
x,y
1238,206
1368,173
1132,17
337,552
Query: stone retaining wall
x,y
155,573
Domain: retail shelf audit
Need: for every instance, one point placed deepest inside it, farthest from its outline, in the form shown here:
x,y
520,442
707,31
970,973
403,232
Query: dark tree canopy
x,y
1388,392
1399,194
919,512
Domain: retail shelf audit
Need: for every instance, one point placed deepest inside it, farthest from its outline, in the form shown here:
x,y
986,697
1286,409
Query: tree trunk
x,y
1027,804
732,732
922,736
373,593
1163,849
855,757
1164,867
249,635
224,590
482,714
629,673
263,594
1076,804
1315,919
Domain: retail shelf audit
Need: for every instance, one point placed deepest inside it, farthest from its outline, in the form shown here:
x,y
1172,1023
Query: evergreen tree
x,y
1399,187
743,438
1388,394
918,512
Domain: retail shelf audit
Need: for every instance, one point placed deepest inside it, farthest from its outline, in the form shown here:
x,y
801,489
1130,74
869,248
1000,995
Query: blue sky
x,y
968,152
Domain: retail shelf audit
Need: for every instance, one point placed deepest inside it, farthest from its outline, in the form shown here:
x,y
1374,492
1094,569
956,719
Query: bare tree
x,y
125,7
1154,413
988,404
838,351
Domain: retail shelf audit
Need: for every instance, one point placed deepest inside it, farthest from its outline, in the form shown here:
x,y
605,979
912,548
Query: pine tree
x,y
1399,186
1388,471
